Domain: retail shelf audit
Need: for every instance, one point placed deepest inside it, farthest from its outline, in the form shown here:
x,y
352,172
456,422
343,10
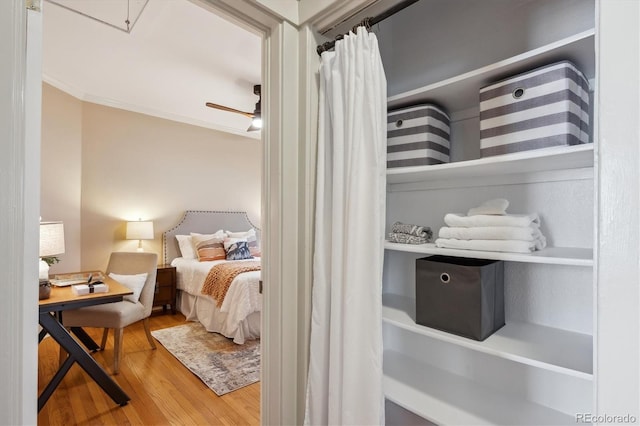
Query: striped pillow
x,y
209,247
252,240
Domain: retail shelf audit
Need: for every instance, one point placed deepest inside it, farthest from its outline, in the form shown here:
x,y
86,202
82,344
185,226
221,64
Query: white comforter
x,y
243,297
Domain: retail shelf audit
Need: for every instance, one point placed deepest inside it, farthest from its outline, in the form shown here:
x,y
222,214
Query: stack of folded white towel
x,y
488,227
409,234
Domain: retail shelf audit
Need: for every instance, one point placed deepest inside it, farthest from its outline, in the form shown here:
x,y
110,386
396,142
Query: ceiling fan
x,y
256,120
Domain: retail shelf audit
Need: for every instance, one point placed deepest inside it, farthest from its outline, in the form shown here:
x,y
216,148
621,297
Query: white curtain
x,y
345,366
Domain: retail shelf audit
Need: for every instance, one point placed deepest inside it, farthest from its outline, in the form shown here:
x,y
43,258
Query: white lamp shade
x,y
51,238
140,230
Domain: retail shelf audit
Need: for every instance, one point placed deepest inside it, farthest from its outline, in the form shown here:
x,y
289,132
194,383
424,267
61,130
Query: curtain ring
x,y
366,23
324,47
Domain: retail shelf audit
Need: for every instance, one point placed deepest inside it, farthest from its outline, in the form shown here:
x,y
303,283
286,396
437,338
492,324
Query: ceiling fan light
x,y
256,124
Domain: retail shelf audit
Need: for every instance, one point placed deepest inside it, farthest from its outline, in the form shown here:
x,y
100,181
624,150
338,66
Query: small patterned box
x,y
545,107
417,136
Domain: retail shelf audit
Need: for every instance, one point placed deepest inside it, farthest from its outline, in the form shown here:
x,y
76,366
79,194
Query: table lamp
x,y
51,245
140,230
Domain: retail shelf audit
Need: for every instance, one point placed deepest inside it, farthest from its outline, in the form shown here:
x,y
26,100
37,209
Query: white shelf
x,y
540,160
550,255
461,92
449,399
543,347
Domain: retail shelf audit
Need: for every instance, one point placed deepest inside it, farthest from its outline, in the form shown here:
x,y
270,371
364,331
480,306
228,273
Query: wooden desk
x,y
61,299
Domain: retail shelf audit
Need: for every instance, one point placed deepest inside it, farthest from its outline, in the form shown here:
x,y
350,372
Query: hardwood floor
x,y
162,390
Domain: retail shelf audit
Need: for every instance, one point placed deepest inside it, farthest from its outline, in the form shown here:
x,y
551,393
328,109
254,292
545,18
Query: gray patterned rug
x,y
217,361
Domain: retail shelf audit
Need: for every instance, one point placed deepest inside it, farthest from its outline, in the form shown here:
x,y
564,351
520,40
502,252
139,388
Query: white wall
x,y
138,166
103,166
61,170
453,49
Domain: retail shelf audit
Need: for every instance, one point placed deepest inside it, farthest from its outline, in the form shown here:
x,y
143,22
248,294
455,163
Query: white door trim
x,y
20,47
283,210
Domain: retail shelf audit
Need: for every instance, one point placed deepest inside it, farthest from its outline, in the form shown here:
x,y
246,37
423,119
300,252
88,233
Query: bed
x,y
238,317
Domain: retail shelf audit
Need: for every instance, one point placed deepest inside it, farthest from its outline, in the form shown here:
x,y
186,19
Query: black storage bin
x,y
461,296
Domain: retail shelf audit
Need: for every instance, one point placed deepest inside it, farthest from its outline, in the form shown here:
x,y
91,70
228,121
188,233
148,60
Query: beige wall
x,y
137,166
61,170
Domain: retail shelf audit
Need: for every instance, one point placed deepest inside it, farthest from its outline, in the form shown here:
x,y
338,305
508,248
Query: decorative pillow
x,y
251,238
218,233
237,249
133,282
209,247
186,246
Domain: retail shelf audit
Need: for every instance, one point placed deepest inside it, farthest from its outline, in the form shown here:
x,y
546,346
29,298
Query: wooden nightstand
x,y
165,288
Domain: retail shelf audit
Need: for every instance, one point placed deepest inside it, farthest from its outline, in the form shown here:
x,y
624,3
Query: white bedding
x,y
243,298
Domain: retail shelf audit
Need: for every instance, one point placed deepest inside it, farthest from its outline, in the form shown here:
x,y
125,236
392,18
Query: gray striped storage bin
x,y
546,107
417,136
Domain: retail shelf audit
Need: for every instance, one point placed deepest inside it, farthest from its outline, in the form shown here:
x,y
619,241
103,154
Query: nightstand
x,y
165,288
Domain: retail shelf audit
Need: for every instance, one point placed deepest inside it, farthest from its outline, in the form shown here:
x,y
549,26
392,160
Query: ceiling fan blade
x,y
225,108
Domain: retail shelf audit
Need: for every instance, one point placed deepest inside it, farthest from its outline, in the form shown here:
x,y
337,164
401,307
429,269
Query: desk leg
x,y
53,384
77,354
86,340
41,335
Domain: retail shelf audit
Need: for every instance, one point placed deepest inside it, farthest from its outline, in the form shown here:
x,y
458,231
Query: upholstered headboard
x,y
202,222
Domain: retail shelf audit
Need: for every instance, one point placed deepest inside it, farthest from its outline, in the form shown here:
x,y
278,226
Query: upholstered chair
x,y
119,315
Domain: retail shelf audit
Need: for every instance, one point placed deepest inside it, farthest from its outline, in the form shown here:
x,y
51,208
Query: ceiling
x,y
178,56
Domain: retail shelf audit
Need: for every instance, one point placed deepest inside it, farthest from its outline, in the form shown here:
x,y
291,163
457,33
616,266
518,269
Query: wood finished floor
x,y
162,390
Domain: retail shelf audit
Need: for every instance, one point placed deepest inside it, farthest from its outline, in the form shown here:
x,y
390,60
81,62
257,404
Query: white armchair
x,y
119,315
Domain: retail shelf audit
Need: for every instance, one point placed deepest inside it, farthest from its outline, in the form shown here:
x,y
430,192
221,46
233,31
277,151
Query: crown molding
x,y
101,100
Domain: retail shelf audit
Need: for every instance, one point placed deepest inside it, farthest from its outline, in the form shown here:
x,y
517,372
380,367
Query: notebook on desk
x,y
64,280
67,282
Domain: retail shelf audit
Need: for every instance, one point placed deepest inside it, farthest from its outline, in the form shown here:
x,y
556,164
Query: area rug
x,y
221,364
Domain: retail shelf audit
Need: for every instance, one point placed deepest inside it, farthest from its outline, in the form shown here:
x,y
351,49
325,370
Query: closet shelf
x,y
461,92
548,348
550,255
541,160
446,398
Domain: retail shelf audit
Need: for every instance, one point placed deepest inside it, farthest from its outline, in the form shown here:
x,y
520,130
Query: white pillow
x,y
250,233
133,282
218,234
186,246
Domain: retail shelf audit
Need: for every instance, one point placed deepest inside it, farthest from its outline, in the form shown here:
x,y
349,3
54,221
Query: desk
x,y
62,299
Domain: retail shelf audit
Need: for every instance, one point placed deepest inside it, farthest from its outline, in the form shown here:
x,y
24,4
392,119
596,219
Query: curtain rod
x,y
367,22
